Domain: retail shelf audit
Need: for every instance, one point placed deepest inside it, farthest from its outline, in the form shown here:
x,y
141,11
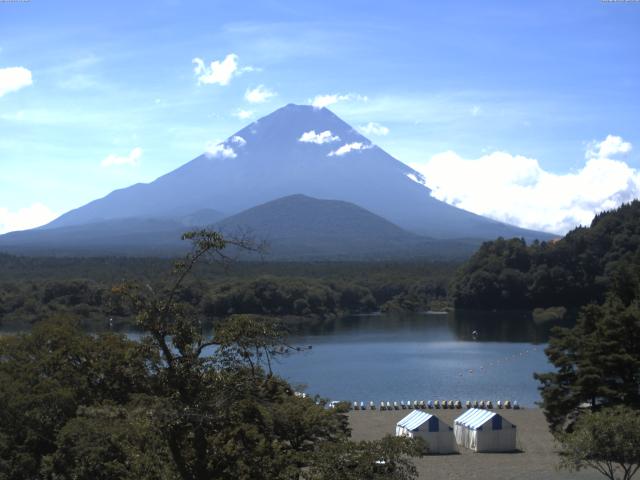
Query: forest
x,y
35,288
581,268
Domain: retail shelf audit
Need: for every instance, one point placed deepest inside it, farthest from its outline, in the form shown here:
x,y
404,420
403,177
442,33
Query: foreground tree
x,y
597,363
107,442
607,441
47,375
217,404
388,458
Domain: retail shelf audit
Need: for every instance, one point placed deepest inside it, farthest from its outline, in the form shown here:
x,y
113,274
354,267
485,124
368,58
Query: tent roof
x,y
414,420
475,418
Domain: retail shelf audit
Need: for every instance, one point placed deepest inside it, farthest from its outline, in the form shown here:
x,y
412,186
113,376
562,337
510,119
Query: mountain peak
x,y
293,132
302,107
297,109
293,106
293,119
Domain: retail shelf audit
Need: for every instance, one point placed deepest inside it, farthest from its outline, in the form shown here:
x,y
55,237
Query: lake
x,y
420,357
394,357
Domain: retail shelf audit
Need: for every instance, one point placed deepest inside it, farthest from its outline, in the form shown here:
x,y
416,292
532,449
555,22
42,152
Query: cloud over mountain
x,y
517,190
237,139
321,101
220,150
373,128
225,149
319,138
25,218
349,147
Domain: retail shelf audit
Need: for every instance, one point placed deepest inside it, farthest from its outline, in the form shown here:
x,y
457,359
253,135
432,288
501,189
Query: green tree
x,y
46,375
388,458
223,414
607,441
107,442
213,411
597,363
580,268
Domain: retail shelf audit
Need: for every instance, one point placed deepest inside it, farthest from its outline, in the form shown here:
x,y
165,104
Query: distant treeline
x,y
32,289
581,268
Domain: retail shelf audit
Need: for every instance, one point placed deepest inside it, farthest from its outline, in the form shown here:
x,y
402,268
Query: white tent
x,y
484,431
437,434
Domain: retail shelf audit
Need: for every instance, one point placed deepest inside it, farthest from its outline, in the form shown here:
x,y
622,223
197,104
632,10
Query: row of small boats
x,y
436,404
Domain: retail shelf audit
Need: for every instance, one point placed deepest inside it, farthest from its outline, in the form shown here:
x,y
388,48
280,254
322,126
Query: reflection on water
x,y
512,326
421,356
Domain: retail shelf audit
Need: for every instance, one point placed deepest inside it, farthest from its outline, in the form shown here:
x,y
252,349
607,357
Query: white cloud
x,y
13,79
218,72
610,146
243,114
220,150
373,128
116,160
348,147
260,94
320,101
416,178
323,137
475,110
517,190
25,218
238,140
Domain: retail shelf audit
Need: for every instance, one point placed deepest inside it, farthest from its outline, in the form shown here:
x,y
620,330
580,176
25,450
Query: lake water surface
x,y
395,357
420,357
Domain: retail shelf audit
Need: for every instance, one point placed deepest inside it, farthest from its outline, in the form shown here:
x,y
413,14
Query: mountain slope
x,y
131,236
300,227
128,236
296,227
267,160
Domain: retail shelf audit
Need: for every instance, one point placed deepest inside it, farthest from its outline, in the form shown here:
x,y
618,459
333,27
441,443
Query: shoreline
x,y
535,459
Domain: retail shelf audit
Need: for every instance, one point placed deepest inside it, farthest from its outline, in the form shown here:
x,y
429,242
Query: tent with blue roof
x,y
437,434
484,431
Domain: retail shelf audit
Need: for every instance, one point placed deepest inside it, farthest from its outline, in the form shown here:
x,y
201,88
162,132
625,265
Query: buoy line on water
x,y
498,362
451,404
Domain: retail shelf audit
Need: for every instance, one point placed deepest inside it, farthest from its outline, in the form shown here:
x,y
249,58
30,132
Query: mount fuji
x,y
298,151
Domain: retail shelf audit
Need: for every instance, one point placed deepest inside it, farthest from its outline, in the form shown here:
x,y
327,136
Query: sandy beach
x,y
536,458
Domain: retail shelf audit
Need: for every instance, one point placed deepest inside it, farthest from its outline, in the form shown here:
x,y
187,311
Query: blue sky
x,y
96,96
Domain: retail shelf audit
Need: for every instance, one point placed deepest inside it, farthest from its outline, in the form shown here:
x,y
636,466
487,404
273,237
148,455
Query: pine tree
x,y
597,363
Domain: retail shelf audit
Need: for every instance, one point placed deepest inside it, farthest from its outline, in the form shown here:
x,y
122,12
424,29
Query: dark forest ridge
x,y
585,266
